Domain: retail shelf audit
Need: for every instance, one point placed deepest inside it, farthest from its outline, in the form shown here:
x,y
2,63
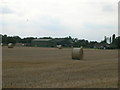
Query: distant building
x,y
43,43
101,45
19,44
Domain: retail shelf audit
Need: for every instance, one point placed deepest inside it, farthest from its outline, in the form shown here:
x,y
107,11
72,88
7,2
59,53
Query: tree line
x,y
114,41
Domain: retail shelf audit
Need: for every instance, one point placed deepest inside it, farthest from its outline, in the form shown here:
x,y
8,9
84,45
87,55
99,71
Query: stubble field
x,y
25,67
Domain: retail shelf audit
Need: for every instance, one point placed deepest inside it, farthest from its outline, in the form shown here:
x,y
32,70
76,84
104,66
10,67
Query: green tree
x,y
113,38
4,39
10,40
110,40
17,39
104,41
117,42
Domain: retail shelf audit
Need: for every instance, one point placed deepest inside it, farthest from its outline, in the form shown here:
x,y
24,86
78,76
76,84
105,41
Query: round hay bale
x,y
10,45
1,44
77,53
59,46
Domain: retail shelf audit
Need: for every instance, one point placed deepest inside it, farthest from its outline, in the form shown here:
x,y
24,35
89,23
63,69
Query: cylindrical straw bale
x,y
1,44
10,45
77,53
59,46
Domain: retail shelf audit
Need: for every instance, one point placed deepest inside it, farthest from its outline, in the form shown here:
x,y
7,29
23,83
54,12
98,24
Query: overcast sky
x,y
83,19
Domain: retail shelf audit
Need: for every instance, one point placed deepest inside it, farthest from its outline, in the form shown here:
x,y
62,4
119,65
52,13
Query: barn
x,y
101,45
43,43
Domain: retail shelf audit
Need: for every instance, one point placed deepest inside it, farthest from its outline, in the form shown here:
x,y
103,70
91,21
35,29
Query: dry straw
x,y
77,53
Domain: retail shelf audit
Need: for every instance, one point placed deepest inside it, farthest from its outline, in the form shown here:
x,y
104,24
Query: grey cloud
x,y
98,27
5,10
108,8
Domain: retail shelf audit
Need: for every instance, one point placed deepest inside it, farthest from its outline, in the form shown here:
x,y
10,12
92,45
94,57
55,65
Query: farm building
x,y
43,43
19,44
101,45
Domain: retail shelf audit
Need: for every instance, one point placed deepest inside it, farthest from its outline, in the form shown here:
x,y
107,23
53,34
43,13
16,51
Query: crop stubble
x,y
25,67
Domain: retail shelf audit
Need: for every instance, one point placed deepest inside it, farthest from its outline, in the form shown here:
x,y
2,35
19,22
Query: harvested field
x,y
25,67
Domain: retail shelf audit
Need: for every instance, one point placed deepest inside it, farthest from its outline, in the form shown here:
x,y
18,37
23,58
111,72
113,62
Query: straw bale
x,y
77,53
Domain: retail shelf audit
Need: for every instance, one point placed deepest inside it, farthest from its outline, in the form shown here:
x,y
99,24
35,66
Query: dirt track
x,y
25,67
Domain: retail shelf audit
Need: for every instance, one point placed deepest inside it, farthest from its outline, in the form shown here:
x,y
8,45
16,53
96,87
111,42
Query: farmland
x,y
29,67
